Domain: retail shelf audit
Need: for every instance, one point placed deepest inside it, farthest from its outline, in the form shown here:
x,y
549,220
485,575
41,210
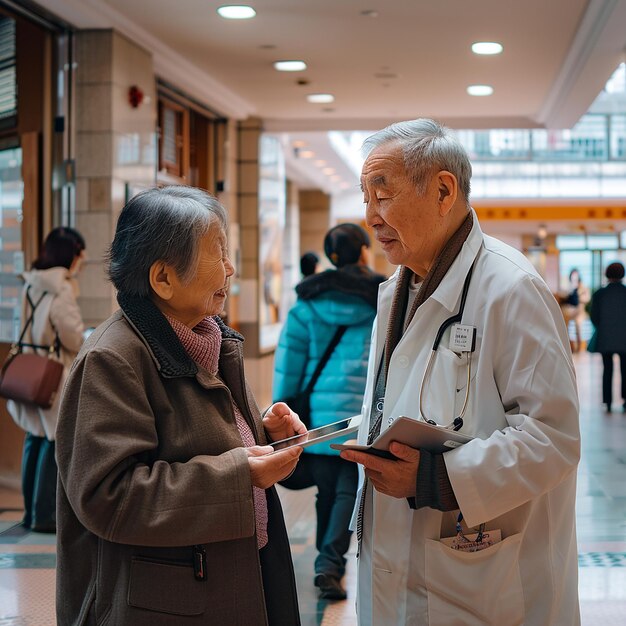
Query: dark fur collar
x,y
151,324
357,280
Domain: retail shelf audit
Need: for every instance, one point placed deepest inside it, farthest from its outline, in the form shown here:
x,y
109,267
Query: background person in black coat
x,y
608,314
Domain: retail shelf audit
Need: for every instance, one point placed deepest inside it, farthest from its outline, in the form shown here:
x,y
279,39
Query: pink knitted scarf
x,y
203,344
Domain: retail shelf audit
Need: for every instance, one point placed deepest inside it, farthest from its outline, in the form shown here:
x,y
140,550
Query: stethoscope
x,y
457,422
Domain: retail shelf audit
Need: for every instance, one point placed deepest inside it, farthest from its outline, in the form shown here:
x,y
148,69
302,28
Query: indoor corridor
x,y
27,560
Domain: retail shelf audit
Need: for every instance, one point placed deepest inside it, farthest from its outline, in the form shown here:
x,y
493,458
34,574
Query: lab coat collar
x,y
449,290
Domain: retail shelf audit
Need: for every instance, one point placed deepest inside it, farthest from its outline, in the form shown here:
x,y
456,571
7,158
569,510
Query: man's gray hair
x,y
163,224
426,146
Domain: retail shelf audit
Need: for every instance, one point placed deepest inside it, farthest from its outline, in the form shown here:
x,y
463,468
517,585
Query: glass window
x,y
571,242
602,242
11,255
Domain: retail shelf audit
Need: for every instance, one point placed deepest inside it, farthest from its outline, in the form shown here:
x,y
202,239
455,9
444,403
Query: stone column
x,y
115,150
314,221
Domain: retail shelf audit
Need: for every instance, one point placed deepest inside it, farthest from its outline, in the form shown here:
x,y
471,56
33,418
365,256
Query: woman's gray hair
x,y
163,224
426,146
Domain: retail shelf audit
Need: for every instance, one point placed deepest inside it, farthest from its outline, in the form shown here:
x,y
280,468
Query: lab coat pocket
x,y
441,384
474,588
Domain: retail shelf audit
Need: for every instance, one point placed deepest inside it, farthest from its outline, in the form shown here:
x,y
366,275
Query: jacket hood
x,y
345,296
50,280
355,280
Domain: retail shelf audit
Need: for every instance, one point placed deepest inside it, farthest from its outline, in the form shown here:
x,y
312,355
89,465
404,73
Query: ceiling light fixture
x,y
290,66
298,143
306,154
329,170
320,98
236,12
480,90
486,47
319,163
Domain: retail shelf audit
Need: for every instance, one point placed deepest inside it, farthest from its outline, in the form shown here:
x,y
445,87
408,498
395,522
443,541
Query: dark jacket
x,y
346,296
608,314
151,473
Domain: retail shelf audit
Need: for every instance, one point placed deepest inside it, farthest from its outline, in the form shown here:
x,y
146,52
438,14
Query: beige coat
x,y
151,465
58,310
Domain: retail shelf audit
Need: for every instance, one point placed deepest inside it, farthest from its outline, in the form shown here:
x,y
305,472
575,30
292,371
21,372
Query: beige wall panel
x,y
93,56
94,114
94,152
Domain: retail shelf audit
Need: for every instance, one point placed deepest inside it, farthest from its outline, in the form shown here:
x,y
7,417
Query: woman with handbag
x,y
321,359
49,296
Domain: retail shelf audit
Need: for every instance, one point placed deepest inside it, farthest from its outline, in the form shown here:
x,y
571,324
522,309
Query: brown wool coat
x,y
151,464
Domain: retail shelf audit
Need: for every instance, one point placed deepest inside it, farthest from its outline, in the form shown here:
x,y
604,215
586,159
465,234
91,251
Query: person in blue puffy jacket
x,y
345,296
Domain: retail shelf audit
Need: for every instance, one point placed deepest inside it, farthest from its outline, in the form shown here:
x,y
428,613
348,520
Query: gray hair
x,y
163,224
426,145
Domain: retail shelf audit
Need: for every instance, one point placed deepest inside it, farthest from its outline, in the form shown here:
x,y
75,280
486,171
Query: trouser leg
x,y
622,365
607,377
339,504
30,457
45,488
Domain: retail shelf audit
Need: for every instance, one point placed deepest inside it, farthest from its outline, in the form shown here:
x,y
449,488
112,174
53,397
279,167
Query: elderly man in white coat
x,y
517,478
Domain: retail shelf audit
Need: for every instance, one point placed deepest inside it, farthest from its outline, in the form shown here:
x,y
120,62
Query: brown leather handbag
x,y
31,378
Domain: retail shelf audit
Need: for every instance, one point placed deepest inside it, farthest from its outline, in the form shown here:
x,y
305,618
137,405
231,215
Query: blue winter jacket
x,y
342,297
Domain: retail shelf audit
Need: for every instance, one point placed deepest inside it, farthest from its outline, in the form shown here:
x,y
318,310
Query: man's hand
x,y
395,478
281,422
266,470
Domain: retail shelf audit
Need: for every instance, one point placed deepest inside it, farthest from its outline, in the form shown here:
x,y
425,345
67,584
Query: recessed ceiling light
x,y
486,47
236,12
320,98
299,143
480,90
329,170
319,163
306,154
289,66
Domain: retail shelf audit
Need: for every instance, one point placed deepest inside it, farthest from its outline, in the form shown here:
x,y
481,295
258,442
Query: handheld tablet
x,y
414,433
317,435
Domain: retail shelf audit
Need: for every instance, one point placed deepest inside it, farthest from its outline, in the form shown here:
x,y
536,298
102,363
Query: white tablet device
x,y
414,433
317,435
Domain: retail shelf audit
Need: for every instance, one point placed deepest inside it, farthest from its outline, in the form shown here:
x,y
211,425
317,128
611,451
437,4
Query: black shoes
x,y
330,587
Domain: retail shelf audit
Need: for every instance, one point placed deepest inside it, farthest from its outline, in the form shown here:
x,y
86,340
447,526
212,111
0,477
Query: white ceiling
x,y
413,60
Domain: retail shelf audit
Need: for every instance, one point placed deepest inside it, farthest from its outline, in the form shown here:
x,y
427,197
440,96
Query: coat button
x,y
403,361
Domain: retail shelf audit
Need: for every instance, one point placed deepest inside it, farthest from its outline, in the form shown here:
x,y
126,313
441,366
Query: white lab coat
x,y
518,475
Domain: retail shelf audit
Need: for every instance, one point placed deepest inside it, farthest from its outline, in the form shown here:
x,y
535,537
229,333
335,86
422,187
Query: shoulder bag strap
x,y
322,362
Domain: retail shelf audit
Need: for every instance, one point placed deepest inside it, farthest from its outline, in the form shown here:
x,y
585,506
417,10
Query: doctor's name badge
x,y
463,338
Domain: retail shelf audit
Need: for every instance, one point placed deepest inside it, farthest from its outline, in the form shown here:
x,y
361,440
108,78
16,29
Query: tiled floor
x,y
27,559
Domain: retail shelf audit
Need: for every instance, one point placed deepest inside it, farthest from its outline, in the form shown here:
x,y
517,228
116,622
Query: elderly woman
x,y
167,514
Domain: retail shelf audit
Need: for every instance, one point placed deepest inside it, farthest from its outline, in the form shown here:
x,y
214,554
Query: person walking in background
x,y
345,296
573,305
608,314
57,320
308,264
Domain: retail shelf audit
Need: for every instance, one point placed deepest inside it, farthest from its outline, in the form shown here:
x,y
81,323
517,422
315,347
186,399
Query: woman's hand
x,y
266,470
281,422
